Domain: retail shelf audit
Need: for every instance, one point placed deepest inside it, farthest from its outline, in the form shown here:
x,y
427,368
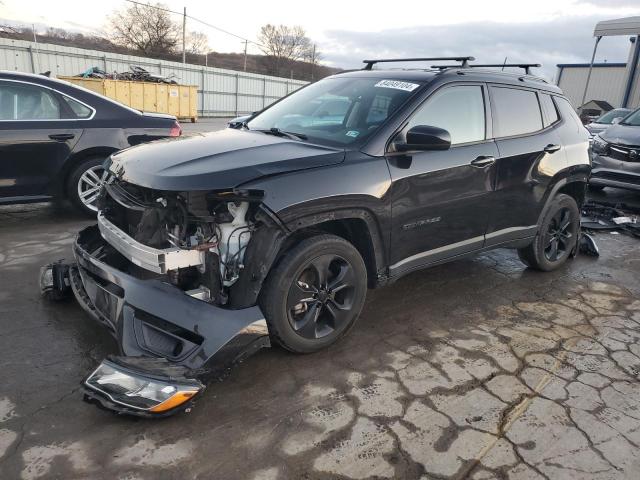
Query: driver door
x,y
441,199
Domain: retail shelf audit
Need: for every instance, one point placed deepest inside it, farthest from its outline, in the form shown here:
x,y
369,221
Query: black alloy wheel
x,y
314,294
558,238
557,235
320,299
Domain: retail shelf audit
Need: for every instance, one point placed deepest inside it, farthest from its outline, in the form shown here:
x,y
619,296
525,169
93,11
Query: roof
x,y
618,26
595,65
461,74
600,103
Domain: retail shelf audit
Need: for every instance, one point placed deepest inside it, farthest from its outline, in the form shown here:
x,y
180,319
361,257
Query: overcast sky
x,y
542,31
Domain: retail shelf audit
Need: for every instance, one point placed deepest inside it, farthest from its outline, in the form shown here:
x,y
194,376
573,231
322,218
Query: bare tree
x,y
311,55
283,43
197,43
147,28
58,33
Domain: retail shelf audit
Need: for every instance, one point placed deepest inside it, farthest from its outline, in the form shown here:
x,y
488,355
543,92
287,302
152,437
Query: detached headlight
x,y
139,392
600,146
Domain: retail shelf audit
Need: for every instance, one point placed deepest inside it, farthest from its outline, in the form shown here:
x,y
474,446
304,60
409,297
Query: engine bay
x,y
201,237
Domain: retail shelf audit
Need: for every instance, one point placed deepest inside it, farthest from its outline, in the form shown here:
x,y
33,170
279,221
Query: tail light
x,y
176,130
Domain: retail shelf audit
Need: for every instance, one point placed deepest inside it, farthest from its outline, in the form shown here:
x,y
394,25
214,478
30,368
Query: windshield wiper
x,y
281,133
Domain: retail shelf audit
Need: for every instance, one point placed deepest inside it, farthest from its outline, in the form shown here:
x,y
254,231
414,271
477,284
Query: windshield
x,y
632,119
609,116
336,111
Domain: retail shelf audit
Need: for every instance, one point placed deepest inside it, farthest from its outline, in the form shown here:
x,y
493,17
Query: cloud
x,y
564,40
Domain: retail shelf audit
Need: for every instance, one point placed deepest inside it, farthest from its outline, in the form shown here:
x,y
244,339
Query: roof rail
x,y
464,60
525,66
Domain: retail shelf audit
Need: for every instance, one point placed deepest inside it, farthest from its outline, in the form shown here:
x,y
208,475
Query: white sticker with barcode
x,y
398,85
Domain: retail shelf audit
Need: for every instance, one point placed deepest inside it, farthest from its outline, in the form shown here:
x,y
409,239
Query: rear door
x,y
530,153
441,199
38,130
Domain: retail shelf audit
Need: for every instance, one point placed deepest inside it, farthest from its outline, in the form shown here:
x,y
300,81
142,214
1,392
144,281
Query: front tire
x,y
84,183
315,294
557,235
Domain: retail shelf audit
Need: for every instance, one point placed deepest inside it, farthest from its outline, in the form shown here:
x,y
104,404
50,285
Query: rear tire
x,y
557,235
83,185
315,294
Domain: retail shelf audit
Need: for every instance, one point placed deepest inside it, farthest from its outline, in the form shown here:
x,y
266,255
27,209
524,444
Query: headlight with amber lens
x,y
600,146
139,392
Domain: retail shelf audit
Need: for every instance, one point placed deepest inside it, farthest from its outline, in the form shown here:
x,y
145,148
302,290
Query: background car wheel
x,y
315,294
83,185
557,235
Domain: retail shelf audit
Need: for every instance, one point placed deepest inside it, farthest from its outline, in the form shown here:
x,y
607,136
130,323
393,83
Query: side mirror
x,y
616,120
426,137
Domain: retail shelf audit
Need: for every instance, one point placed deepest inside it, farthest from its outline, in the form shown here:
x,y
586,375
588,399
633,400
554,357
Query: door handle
x,y
61,137
552,148
483,161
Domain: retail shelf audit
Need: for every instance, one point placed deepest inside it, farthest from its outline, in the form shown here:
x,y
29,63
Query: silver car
x,y
603,122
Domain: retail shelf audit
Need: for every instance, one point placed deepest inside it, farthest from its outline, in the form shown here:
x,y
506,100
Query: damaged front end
x,y
165,273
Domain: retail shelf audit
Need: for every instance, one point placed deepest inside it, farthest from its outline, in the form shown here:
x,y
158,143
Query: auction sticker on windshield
x,y
406,86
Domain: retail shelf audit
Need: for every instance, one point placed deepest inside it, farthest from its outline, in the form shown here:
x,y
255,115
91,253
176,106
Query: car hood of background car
x,y
597,127
218,160
622,135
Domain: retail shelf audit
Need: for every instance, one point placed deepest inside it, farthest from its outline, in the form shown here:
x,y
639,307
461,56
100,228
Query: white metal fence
x,y
221,92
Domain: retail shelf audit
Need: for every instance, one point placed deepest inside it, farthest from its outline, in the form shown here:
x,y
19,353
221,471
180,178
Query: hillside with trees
x,y
149,31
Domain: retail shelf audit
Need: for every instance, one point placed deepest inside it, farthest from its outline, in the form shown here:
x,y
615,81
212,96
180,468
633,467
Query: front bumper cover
x,y
153,319
611,172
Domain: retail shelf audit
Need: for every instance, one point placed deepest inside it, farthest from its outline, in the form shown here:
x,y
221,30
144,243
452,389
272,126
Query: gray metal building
x,y
616,83
607,82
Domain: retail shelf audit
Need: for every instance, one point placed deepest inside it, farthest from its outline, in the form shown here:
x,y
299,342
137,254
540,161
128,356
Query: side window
x,y
515,111
549,109
19,101
568,113
458,109
79,110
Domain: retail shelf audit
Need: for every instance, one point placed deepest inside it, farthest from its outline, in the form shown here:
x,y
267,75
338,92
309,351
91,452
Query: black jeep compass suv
x,y
276,228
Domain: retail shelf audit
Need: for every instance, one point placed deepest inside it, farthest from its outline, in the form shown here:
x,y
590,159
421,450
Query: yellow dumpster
x,y
178,100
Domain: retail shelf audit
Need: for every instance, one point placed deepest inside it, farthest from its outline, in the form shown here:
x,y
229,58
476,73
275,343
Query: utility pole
x,y
245,54
35,40
184,36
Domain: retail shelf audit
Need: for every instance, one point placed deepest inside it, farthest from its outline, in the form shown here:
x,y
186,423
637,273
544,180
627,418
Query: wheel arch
x,y
357,226
572,182
273,239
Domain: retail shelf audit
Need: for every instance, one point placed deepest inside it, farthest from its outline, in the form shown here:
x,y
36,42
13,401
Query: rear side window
x,y
568,113
20,101
459,110
515,111
79,110
549,109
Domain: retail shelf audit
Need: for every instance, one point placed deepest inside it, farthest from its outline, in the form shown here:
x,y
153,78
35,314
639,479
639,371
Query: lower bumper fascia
x,y
145,316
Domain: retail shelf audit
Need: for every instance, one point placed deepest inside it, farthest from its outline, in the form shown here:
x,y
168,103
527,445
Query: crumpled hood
x,y
622,135
218,160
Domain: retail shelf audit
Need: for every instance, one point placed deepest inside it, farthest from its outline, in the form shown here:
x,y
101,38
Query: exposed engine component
x,y
233,239
197,239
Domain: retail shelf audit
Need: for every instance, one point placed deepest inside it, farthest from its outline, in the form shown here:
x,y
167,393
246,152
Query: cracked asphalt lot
x,y
478,369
